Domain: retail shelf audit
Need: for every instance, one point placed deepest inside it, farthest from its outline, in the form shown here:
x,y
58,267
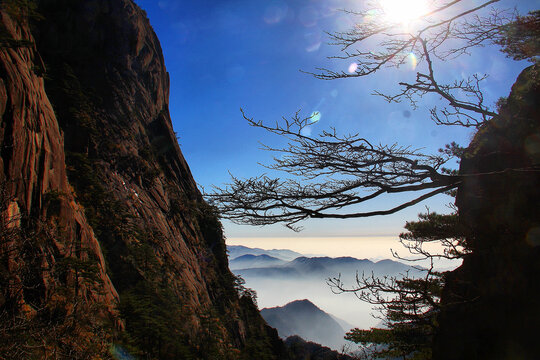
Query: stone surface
x,y
32,163
490,307
128,201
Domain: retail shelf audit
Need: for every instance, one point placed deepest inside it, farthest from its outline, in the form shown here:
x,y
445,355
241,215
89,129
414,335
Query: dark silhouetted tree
x,y
408,305
329,173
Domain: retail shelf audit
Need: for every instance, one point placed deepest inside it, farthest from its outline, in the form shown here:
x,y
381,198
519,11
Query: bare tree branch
x,y
443,33
335,172
329,175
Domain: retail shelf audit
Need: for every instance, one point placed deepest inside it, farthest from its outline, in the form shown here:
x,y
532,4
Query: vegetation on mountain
x,y
106,246
496,185
519,39
307,350
305,319
105,241
409,305
333,171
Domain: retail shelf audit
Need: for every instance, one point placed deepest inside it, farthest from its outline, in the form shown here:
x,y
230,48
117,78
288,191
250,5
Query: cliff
x,y
490,310
107,246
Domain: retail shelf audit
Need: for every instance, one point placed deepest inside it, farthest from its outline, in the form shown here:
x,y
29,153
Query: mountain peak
x,y
301,303
304,318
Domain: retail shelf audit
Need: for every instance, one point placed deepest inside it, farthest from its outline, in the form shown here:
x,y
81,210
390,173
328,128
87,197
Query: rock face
x,y
99,207
43,228
490,310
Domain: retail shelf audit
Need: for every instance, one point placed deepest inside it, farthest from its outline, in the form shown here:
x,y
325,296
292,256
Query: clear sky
x,y
228,54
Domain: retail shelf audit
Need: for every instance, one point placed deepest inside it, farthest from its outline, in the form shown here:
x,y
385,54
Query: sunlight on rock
x,y
352,68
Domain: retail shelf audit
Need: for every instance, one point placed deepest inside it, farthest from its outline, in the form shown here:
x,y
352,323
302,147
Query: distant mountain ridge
x,y
236,251
255,261
319,267
277,283
305,319
106,242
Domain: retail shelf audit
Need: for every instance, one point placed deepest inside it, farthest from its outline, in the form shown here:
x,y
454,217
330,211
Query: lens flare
x,y
403,11
275,13
120,353
313,47
313,39
315,116
352,68
413,60
308,16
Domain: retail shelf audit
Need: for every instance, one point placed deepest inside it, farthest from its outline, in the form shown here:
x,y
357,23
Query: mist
x,y
278,281
273,292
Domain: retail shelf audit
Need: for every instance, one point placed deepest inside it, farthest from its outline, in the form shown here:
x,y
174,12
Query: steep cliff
x,y
103,223
490,307
53,270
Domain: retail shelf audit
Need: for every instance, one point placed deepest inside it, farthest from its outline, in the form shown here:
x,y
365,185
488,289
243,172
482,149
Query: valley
x,y
281,283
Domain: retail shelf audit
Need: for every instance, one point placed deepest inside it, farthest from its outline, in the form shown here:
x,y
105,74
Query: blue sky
x,y
224,55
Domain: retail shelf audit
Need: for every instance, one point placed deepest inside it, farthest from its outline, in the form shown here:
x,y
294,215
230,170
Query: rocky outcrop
x,y
43,228
489,307
90,151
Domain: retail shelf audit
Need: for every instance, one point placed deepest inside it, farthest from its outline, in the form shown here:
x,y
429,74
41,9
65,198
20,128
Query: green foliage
x,y
52,201
410,319
401,342
243,291
410,306
212,230
39,321
155,315
300,349
73,105
520,39
137,167
502,102
84,271
432,227
262,342
257,348
108,216
153,319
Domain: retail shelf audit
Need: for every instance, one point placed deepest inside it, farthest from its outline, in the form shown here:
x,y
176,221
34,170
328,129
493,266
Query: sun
x,y
403,11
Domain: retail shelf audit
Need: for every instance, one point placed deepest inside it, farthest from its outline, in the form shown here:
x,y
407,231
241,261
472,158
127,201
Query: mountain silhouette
x,y
305,319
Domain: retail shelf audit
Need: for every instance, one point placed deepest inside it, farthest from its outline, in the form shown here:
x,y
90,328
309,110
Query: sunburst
x,y
404,11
